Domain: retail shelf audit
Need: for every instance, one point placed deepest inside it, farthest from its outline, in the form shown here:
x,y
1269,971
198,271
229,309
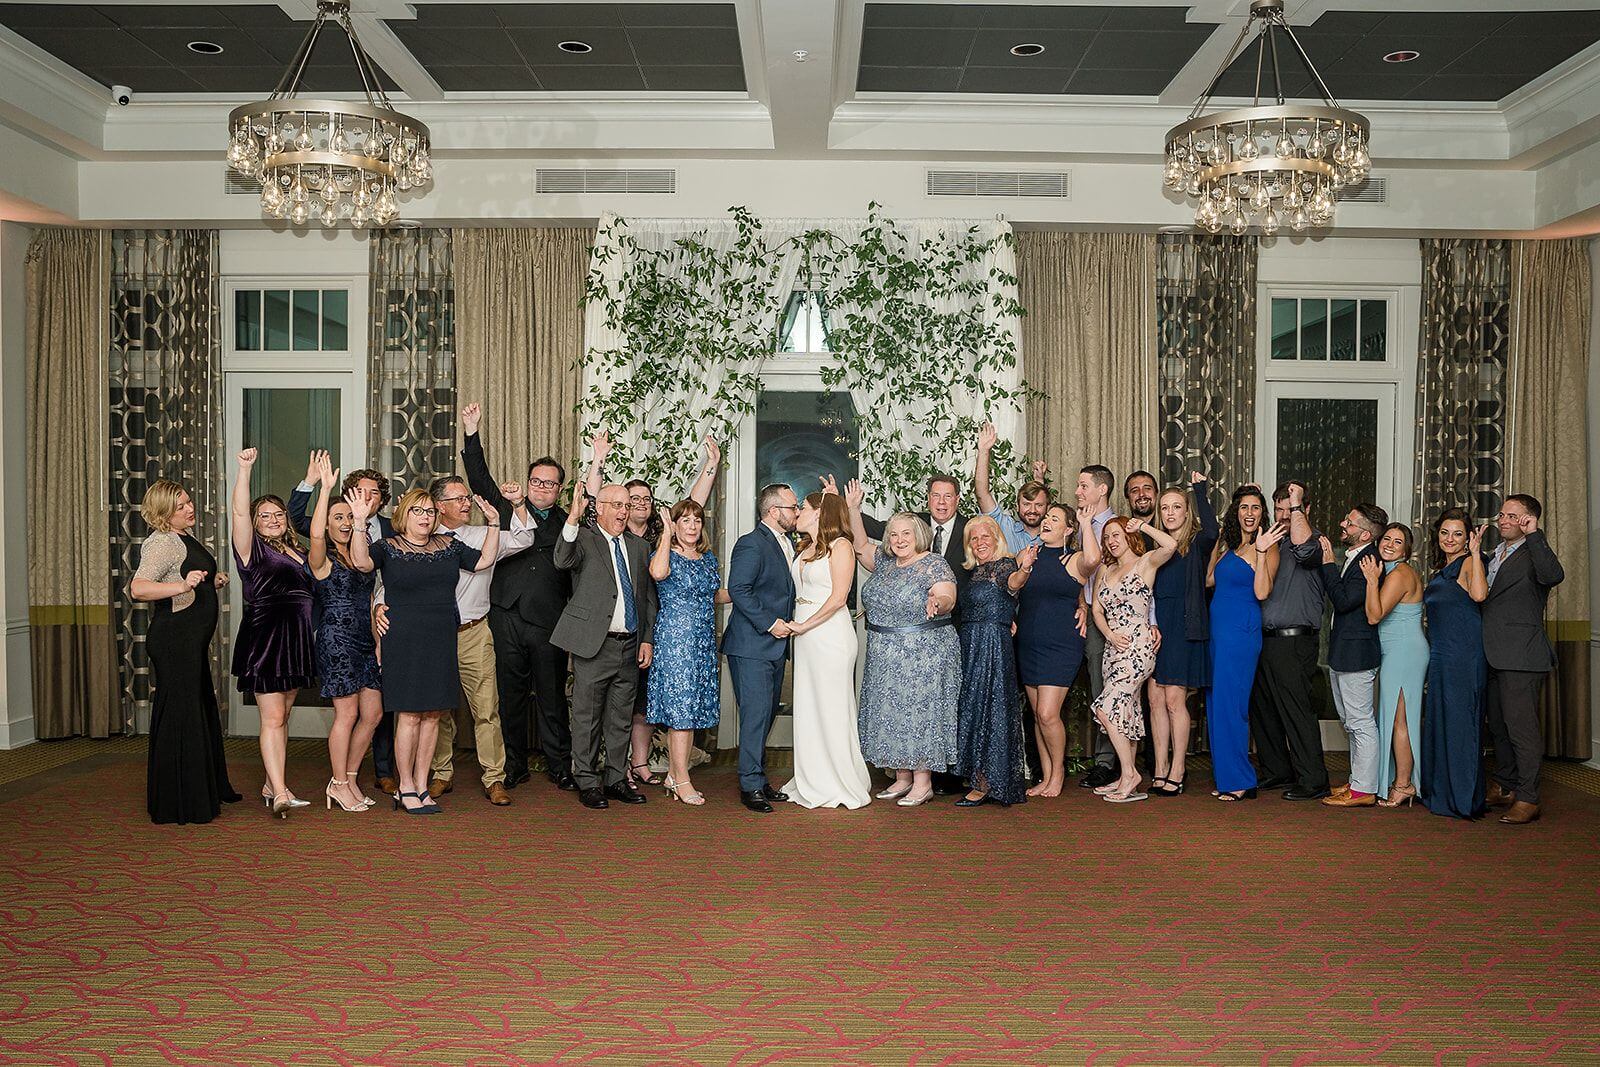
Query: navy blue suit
x,y
762,590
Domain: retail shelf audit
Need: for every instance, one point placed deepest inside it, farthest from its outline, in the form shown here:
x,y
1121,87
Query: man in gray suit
x,y
1521,574
607,626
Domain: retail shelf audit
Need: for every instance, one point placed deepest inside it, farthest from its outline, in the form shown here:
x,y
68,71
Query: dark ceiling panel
x,y
484,79
1129,49
695,79
458,46
589,79
682,46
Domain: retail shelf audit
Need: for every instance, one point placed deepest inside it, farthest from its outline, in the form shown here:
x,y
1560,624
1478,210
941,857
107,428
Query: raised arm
x,y
1299,525
1345,595
490,555
1383,592
661,561
1166,546
1025,560
243,530
980,469
1547,570
317,553
1474,577
476,464
360,512
1267,556
569,550
1082,563
700,492
1200,488
866,547
599,448
300,499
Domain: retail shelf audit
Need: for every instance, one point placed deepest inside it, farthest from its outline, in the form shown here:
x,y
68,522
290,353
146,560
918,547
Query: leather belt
x,y
930,624
1290,631
469,625
621,635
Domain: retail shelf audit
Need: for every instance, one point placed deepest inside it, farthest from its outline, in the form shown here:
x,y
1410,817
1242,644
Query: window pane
x,y
1313,329
1332,446
247,320
284,424
1285,323
275,320
1374,331
335,320
307,320
1342,330
800,435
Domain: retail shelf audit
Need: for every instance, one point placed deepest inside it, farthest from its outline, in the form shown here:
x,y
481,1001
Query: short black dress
x,y
420,671
187,776
272,652
1049,647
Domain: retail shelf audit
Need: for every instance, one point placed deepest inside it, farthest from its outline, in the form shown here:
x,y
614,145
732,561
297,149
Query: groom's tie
x,y
630,617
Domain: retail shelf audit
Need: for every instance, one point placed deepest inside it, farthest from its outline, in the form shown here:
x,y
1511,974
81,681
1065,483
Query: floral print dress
x,y
1126,604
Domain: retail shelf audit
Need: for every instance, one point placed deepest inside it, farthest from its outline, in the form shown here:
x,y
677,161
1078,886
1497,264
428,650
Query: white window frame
x,y
353,357
1331,369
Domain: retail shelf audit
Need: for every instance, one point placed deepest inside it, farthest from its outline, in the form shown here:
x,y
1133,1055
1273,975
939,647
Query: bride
x,y
828,768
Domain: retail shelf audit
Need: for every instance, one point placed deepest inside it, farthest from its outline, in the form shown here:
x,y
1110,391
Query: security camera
x,y
122,95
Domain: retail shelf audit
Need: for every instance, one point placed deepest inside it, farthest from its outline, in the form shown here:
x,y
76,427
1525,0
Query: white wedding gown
x,y
828,768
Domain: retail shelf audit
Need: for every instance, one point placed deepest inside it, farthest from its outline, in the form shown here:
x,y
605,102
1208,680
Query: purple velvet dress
x,y
272,652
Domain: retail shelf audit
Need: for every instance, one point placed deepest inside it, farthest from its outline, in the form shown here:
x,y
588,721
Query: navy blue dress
x,y
989,712
1452,777
1179,661
420,669
684,688
347,658
1049,647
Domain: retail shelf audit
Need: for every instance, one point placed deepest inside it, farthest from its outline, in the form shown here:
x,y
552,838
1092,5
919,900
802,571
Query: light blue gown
x,y
1404,669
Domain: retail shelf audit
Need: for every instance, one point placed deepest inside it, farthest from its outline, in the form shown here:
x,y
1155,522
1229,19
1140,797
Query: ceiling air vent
x,y
1371,191
584,180
236,184
1057,184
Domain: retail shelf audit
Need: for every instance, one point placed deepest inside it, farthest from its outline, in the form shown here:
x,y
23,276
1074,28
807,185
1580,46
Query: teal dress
x,y
1404,669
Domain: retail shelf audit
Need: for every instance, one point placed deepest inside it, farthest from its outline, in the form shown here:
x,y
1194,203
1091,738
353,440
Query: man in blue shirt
x,y
1022,529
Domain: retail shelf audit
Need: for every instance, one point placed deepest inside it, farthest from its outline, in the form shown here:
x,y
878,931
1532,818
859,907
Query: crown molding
x,y
48,99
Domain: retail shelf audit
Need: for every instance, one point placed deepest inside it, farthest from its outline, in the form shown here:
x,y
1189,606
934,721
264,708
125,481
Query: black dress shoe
x,y
755,801
766,792
516,776
563,781
625,793
1301,793
593,798
1273,783
1099,776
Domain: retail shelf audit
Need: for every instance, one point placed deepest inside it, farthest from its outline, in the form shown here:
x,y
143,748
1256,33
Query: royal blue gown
x,y
1235,647
1452,779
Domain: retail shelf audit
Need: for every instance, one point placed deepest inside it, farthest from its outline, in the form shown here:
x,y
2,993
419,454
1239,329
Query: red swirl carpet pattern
x,y
1065,931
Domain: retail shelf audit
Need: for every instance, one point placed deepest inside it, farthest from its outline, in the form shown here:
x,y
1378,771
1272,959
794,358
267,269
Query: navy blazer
x,y
762,590
1353,642
300,514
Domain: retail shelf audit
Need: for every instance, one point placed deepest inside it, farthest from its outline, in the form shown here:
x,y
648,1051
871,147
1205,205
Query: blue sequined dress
x,y
684,691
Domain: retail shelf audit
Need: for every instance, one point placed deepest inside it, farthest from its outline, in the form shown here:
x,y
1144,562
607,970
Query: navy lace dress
x,y
685,680
989,714
420,669
347,658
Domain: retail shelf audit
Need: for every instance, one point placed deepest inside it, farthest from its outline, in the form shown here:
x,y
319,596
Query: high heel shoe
x,y
1237,795
430,806
647,778
266,796
283,803
1399,795
327,792
353,777
673,788
400,805
1170,789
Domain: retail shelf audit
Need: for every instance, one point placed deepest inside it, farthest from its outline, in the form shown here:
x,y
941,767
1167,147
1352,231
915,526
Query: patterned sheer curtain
x,y
165,370
1461,382
1206,353
411,357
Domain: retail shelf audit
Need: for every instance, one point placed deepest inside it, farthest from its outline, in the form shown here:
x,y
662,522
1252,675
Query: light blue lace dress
x,y
684,691
911,685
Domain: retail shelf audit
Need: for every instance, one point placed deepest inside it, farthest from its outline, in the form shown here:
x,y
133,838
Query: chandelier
x,y
331,160
1267,165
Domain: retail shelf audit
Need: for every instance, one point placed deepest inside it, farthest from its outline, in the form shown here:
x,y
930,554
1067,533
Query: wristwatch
x,y
1296,507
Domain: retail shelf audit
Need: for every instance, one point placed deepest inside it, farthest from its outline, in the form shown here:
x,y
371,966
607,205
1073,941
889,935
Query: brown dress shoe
x,y
388,785
497,795
1520,814
1340,790
1499,796
1348,799
438,787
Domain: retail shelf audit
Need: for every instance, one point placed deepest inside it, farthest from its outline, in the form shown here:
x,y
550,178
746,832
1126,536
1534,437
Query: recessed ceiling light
x,y
206,48
1405,55
577,48
1026,50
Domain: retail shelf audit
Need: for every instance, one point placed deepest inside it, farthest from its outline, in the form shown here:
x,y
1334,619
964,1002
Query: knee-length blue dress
x,y
684,690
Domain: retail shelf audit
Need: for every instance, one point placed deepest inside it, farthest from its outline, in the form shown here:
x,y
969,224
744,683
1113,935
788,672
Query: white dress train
x,y
828,769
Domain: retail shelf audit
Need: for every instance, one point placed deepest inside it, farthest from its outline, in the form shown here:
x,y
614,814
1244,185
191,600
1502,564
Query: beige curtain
x,y
1550,292
1089,346
519,339
74,679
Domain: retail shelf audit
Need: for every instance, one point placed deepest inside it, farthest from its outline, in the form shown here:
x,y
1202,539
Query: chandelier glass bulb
x,y
354,155
1314,149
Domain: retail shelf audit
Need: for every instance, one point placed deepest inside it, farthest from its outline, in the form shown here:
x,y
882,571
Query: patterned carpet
x,y
1066,931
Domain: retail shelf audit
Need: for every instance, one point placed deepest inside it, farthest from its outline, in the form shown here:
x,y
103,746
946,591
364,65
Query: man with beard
x,y
1354,652
1022,529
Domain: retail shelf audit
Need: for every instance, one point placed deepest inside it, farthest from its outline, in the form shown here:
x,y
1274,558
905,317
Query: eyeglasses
x,y
639,499
270,515
611,503
788,507
448,499
543,483
424,512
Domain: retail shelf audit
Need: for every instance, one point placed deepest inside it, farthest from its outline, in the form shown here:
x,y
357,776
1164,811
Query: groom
x,y
756,639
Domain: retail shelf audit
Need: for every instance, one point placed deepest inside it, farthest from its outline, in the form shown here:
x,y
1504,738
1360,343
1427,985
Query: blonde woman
x,y
187,777
989,717
272,652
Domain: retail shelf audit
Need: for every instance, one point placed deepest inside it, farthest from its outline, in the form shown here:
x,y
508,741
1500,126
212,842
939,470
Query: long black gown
x,y
188,772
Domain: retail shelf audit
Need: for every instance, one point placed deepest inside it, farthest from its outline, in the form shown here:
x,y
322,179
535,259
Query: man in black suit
x,y
608,626
525,602
1354,653
373,487
949,540
1521,574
